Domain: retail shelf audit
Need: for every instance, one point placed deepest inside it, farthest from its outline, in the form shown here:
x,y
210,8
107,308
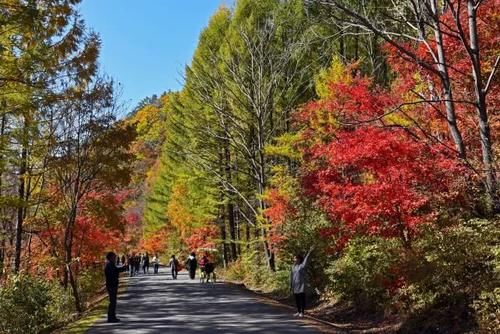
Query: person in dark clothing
x,y
174,266
130,263
145,265
137,264
112,272
191,265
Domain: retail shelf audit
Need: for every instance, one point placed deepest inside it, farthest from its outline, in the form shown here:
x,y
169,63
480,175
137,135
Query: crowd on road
x,y
134,262
140,263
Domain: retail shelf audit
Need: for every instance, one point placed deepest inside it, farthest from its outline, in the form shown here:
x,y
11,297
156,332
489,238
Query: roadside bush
x,y
89,282
363,274
29,305
247,270
453,280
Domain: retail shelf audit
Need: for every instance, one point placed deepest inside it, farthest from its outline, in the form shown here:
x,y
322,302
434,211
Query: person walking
x,y
298,281
137,263
131,264
156,263
112,273
145,264
174,264
191,265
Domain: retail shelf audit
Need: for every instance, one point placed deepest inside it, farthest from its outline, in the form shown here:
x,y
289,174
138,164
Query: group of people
x,y
136,262
115,265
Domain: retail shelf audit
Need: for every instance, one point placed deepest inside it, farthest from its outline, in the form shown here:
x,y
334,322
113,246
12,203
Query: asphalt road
x,y
159,304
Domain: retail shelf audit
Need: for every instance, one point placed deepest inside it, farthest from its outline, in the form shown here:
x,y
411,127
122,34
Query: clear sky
x,y
147,43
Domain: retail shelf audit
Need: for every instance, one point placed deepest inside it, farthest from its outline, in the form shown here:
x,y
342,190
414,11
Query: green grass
x,y
81,325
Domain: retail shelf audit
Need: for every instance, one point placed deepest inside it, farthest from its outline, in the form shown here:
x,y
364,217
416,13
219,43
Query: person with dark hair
x,y
298,281
131,264
156,263
137,263
145,265
112,273
191,265
174,266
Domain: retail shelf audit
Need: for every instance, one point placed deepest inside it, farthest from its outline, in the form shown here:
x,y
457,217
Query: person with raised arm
x,y
112,273
298,281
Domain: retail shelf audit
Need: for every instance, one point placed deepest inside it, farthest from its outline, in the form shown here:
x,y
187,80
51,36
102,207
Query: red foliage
x,y
100,226
278,211
460,72
370,178
202,237
156,242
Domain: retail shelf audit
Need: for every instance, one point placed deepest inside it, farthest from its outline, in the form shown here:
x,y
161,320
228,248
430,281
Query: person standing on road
x,y
191,265
130,263
174,264
298,281
112,272
145,265
137,263
156,263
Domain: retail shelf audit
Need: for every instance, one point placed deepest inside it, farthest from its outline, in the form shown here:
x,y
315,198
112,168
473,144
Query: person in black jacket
x,y
191,265
112,273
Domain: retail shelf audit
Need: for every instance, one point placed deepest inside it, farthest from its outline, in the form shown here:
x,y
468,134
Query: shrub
x,y
247,270
363,274
452,278
89,282
29,305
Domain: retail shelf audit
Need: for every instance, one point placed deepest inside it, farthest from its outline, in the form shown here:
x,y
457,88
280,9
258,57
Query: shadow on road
x,y
158,304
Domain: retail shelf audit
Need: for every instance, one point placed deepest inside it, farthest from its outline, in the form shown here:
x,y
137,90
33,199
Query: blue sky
x,y
147,43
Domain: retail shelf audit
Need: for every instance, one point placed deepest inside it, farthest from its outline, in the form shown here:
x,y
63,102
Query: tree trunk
x,y
74,288
68,245
261,188
3,230
222,215
230,205
442,67
222,226
20,210
481,109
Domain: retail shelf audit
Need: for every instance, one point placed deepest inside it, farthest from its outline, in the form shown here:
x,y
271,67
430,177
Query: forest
x,y
368,129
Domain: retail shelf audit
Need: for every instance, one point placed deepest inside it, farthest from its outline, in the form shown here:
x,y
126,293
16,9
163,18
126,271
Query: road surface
x,y
158,304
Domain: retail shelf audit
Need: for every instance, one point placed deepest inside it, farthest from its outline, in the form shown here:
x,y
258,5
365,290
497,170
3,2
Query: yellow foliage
x,y
285,146
335,73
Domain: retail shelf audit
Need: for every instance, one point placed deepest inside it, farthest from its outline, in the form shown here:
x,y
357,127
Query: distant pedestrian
x,y
174,266
191,265
156,263
298,282
145,264
112,273
131,264
123,260
137,263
